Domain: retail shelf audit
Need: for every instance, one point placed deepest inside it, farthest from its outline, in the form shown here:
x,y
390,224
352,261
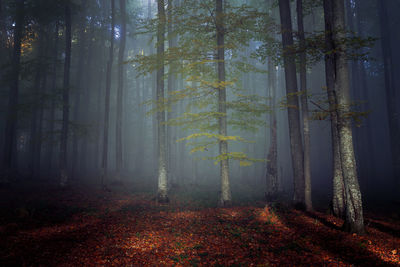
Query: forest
x,y
199,133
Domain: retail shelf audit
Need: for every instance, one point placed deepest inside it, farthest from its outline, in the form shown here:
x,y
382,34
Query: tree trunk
x,y
78,91
121,70
35,104
338,199
3,30
162,195
87,97
53,100
171,133
38,148
304,106
226,197
12,112
296,145
65,116
354,221
272,157
391,94
104,161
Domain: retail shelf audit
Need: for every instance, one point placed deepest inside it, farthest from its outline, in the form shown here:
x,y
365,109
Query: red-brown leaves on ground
x,y
121,229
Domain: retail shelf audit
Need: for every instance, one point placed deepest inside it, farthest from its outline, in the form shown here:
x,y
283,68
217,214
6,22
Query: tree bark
x,y
338,198
354,220
3,30
53,100
391,94
272,157
226,197
37,111
296,145
10,143
78,91
171,133
65,116
162,195
104,161
121,70
304,107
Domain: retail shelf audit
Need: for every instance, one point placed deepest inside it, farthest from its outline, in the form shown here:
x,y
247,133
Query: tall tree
x,y
226,197
272,157
12,111
338,196
354,220
296,144
304,106
121,70
3,28
391,92
82,39
171,135
162,195
104,161
53,90
65,104
35,135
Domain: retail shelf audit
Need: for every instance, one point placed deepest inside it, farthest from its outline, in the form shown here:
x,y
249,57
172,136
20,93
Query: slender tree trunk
x,y
78,91
107,97
354,221
338,198
3,30
35,104
296,144
171,133
272,157
12,112
392,94
162,195
65,116
304,107
121,70
53,99
39,142
226,197
87,97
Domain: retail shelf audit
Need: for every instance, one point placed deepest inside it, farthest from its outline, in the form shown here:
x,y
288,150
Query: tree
x,y
296,144
222,123
82,39
53,89
390,89
209,108
272,157
304,106
121,70
354,220
338,198
65,104
104,161
12,111
162,195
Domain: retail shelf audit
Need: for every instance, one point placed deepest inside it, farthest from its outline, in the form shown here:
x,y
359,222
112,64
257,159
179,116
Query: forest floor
x,y
82,227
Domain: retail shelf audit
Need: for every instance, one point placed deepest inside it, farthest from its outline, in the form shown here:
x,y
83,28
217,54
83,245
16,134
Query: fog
x,y
227,101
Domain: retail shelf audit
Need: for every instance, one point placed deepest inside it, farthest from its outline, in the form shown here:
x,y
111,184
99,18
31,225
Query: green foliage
x,y
194,59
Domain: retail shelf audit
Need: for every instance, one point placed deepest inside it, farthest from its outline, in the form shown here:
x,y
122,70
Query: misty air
x,y
199,133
